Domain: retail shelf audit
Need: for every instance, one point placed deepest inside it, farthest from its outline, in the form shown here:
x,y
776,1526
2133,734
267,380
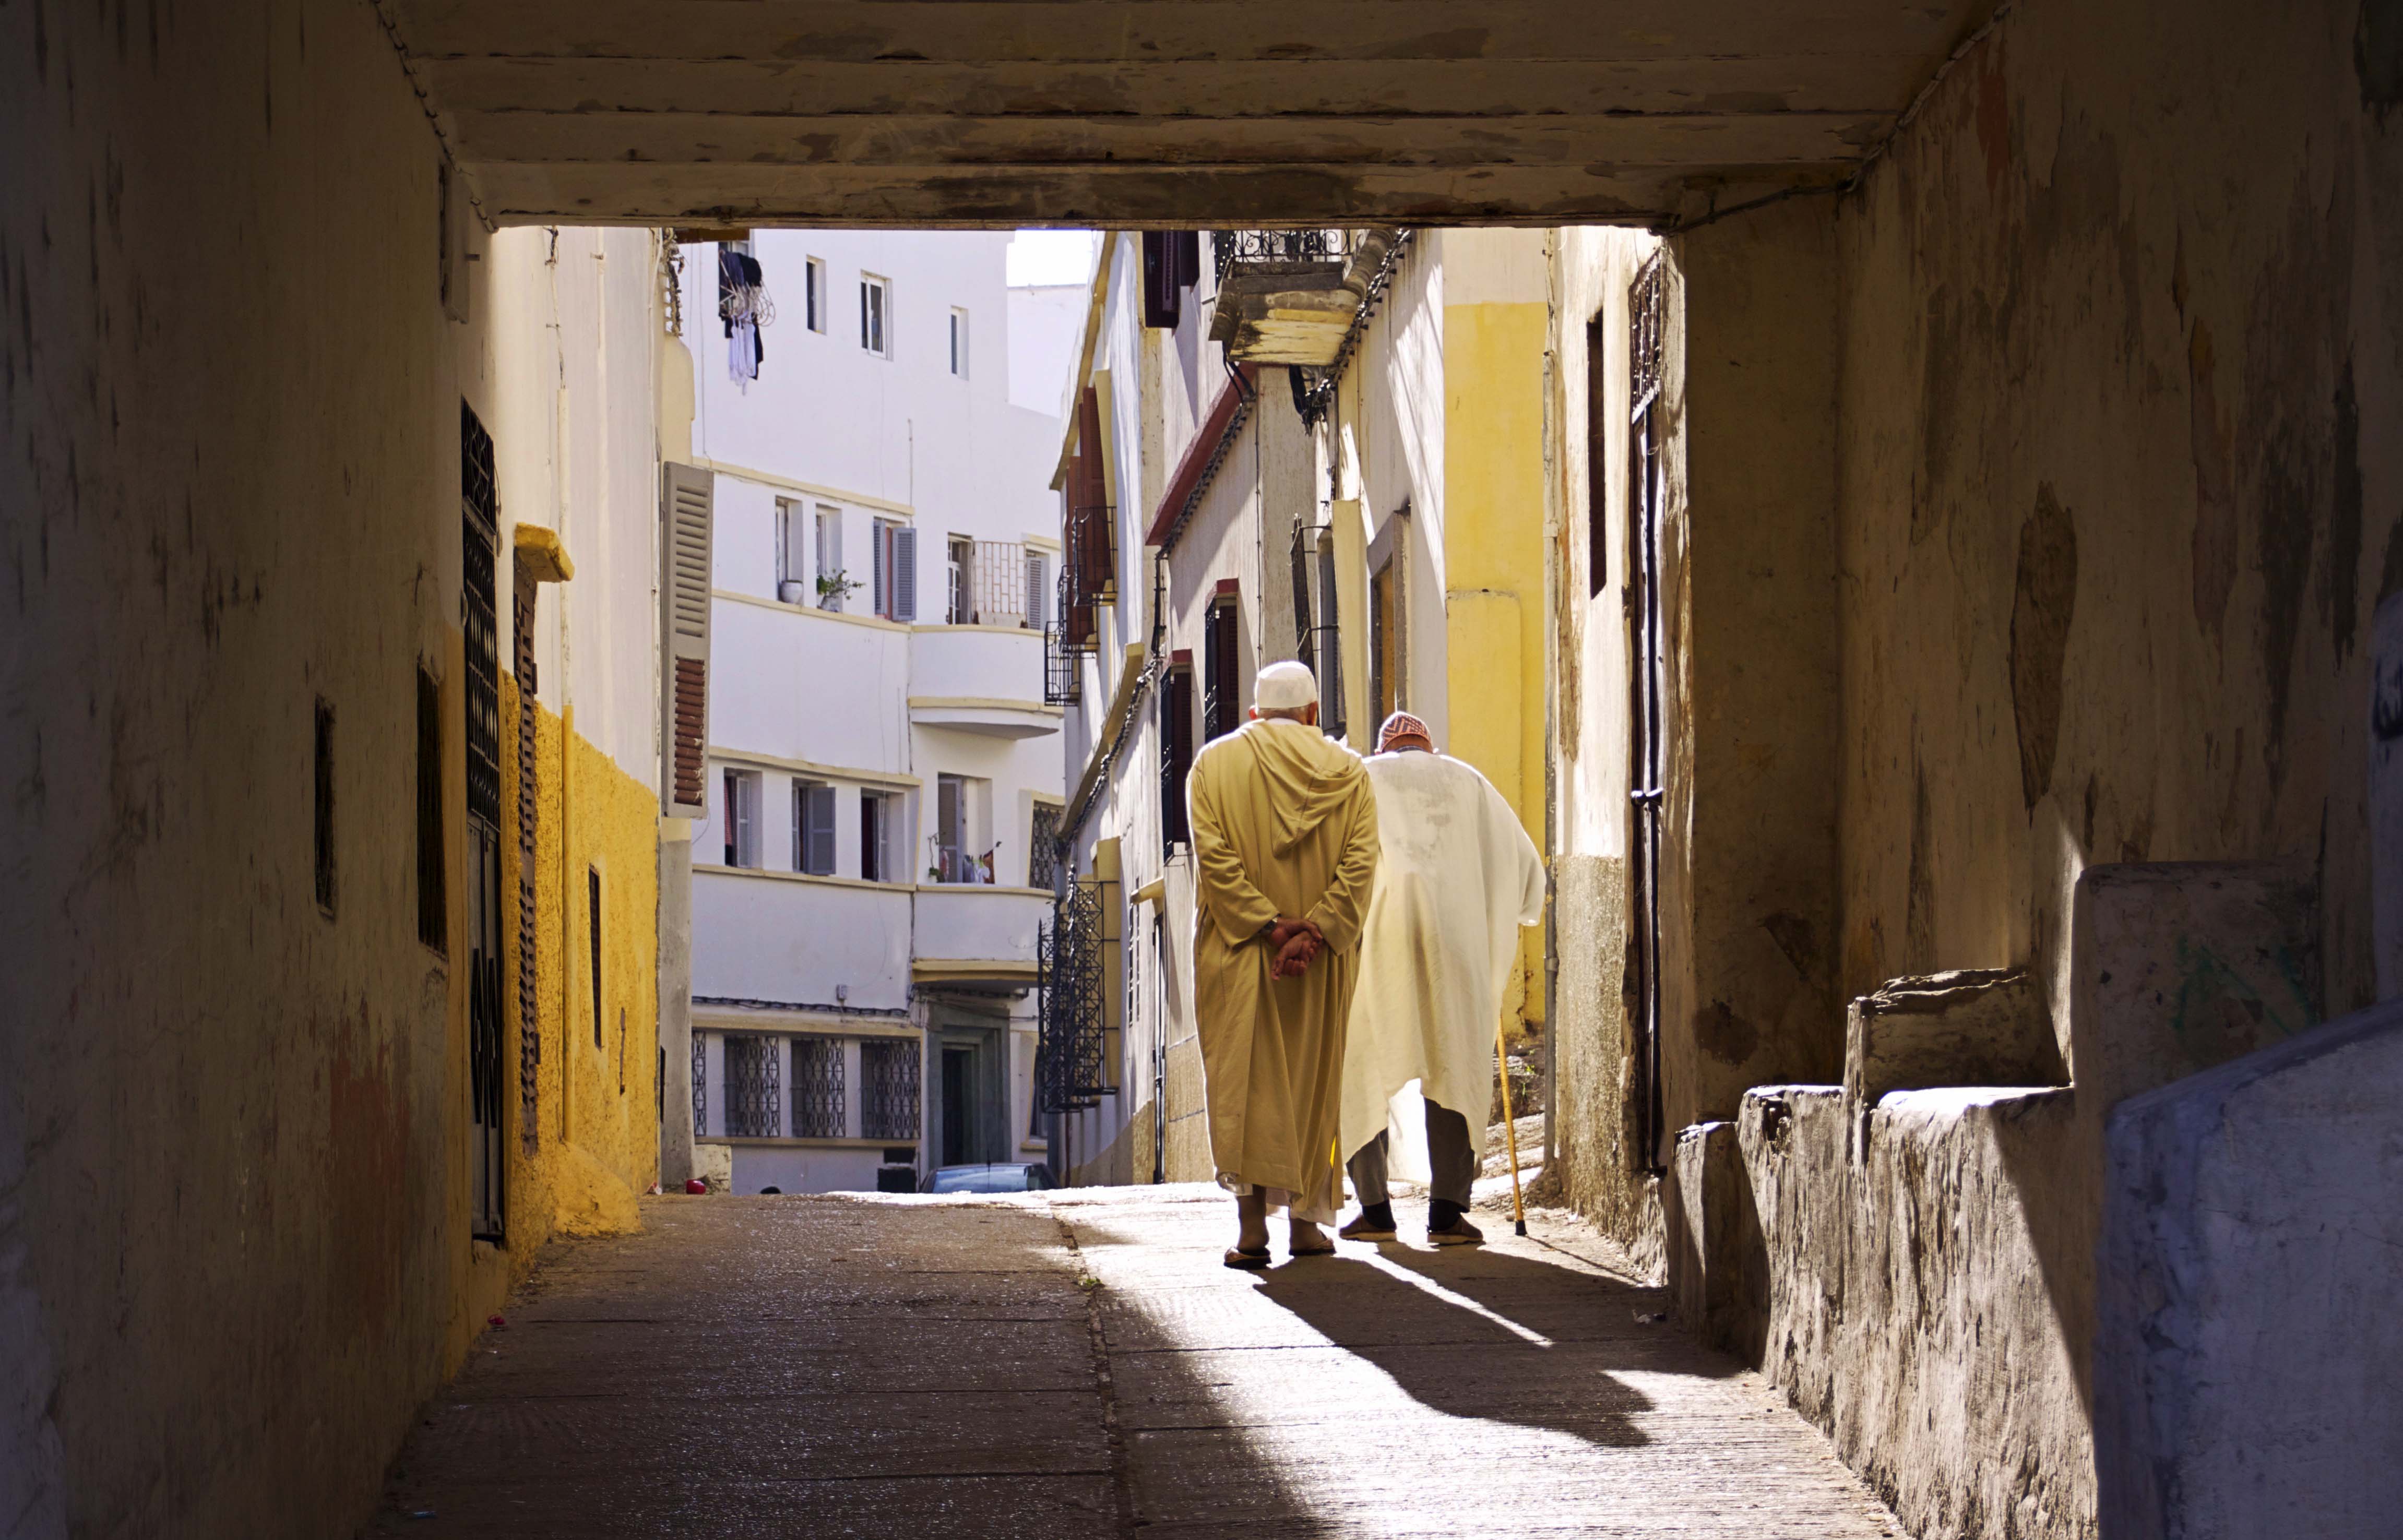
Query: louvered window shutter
x,y
1037,612
684,641
879,536
821,827
904,573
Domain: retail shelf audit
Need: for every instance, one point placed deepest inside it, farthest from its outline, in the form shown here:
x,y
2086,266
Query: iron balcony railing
x,y
1062,677
1088,570
1234,249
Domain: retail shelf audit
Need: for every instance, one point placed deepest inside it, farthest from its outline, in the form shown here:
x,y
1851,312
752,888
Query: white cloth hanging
x,y
1456,878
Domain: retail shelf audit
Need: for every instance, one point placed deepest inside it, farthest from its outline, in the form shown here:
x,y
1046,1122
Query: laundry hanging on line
x,y
744,307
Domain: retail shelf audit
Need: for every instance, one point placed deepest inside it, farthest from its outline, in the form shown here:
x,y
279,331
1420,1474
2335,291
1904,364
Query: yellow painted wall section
x,y
595,1144
1493,566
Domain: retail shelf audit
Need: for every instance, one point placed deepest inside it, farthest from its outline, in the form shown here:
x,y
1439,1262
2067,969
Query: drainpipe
x,y
1554,604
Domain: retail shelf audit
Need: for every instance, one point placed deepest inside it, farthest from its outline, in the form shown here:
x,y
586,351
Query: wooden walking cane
x,y
1509,1128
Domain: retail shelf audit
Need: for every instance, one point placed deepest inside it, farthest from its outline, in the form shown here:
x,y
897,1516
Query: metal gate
x,y
1647,684
479,619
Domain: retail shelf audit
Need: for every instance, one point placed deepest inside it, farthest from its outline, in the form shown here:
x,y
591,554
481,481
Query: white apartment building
x,y
885,776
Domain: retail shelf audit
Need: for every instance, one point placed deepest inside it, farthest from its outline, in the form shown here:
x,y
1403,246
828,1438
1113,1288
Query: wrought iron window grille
x,y
700,1086
817,1088
1072,1003
754,1086
888,1088
1043,857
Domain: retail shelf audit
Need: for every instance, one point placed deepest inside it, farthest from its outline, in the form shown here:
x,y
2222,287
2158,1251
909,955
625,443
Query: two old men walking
x,y
1312,888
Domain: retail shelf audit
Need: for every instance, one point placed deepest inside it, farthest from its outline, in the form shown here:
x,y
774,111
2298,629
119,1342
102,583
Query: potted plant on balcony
x,y
834,587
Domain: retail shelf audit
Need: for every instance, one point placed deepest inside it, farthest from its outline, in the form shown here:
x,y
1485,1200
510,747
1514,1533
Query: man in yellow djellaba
x,y
1285,846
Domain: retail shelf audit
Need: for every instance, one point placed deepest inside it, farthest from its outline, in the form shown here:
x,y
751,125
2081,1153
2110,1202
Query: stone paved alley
x,y
1079,1364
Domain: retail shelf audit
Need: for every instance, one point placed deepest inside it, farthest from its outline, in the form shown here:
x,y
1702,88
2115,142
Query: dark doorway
x,y
959,1106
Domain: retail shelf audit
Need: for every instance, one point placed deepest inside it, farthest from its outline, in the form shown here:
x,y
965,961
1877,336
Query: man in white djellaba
x,y
1456,878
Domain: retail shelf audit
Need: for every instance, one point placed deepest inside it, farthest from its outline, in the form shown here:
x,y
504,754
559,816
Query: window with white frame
x,y
892,571
879,819
960,817
876,315
833,582
1038,590
959,342
812,828
813,294
738,811
959,578
794,581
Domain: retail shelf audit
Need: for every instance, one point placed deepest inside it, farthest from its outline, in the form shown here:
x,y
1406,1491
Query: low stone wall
x,y
1919,1300
2245,1365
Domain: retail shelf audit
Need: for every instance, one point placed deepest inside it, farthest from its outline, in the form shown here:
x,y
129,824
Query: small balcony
x,y
980,681
975,932
1290,297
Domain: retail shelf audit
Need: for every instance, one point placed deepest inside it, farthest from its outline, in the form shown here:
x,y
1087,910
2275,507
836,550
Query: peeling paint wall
x,y
2112,528
2106,324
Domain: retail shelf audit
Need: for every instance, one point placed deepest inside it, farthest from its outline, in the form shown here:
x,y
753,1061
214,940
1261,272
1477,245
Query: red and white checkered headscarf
x,y
1402,725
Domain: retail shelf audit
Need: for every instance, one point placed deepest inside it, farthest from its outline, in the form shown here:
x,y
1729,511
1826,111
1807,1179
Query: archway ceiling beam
x,y
1181,112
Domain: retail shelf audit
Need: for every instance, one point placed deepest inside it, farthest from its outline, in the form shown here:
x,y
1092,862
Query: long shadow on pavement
x,y
1486,1334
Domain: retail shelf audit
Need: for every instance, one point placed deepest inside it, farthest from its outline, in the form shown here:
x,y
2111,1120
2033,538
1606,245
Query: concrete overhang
x,y
901,113
969,970
991,718
542,553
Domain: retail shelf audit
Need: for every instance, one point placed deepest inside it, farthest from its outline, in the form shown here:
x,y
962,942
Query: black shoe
x,y
1375,1223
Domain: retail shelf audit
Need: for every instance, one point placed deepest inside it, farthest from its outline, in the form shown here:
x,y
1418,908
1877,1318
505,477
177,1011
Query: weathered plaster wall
x,y
230,488
235,1123
1592,1165
2112,525
1592,1160
1748,821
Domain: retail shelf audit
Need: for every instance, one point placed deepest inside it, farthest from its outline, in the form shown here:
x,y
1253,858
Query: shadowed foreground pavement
x,y
1079,1364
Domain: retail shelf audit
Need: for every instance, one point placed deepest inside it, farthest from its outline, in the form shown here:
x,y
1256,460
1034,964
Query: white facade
x,y
868,888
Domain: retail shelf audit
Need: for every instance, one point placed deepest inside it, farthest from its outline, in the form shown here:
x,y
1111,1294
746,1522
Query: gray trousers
x,y
1453,1164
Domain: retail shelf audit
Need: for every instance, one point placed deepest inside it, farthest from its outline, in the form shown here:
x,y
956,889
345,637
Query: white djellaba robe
x,y
1456,878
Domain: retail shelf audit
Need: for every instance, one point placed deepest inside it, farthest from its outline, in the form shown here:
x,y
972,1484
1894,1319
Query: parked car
x,y
1011,1176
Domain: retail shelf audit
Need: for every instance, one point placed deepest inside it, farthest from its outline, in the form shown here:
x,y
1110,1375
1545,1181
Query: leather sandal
x,y
1249,1259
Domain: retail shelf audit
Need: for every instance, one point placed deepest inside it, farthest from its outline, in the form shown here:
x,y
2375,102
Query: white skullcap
x,y
1283,686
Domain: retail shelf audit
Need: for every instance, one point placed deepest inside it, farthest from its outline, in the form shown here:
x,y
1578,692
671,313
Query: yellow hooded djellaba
x,y
1285,825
